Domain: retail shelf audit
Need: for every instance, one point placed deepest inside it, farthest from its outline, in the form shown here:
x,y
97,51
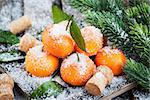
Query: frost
x,y
39,11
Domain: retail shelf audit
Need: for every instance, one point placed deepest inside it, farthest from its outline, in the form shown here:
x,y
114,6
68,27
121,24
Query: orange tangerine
x,y
113,58
39,63
57,40
93,40
77,69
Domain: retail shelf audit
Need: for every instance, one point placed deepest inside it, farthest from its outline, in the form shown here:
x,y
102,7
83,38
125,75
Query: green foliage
x,y
114,6
110,25
140,38
76,35
8,56
84,5
132,3
127,26
8,38
138,72
59,15
96,5
49,88
139,13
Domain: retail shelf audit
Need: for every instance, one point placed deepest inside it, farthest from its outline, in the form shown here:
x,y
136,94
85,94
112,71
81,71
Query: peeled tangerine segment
x,y
77,69
57,40
93,40
39,63
28,41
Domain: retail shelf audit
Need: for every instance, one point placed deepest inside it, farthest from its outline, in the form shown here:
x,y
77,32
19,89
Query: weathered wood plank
x,y
122,90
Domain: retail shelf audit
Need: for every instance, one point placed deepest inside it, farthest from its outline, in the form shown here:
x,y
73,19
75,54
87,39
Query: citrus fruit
x,y
113,58
77,69
39,63
93,40
57,40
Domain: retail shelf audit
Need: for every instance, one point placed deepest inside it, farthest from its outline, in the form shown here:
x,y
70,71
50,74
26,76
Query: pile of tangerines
x,y
77,67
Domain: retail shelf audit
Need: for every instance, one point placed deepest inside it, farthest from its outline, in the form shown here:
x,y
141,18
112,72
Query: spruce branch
x,y
132,3
84,5
127,28
139,13
140,38
110,25
114,6
138,72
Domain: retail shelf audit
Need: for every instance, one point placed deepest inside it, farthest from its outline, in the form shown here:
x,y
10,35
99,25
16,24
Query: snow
x,y
37,51
81,61
142,94
58,30
27,82
39,11
110,51
11,9
92,34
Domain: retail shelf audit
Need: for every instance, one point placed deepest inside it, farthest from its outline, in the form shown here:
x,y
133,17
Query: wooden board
x,y
122,90
114,94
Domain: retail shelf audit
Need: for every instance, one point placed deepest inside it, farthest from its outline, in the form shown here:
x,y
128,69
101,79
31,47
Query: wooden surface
x,y
20,95
122,90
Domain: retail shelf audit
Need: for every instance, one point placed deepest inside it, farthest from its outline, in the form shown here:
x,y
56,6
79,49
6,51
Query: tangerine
x,y
39,63
113,58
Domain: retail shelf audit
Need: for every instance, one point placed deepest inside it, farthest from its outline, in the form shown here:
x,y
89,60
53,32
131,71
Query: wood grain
x,y
122,90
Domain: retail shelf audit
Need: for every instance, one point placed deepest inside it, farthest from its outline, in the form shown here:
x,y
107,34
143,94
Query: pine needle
x,y
140,38
110,25
140,13
127,28
138,72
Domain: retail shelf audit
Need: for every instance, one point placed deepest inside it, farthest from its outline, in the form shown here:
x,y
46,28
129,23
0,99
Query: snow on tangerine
x,y
39,63
93,40
113,58
57,40
77,69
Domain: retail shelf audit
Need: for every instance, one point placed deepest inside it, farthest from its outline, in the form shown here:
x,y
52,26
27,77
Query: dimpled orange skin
x,y
93,40
56,48
70,73
115,61
40,66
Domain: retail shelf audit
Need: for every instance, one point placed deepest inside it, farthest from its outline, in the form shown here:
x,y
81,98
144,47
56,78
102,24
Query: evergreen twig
x,y
140,38
139,13
127,28
138,72
110,25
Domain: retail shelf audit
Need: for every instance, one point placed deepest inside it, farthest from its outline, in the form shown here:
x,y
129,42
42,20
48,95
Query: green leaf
x,y
76,35
8,56
59,15
8,38
49,88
